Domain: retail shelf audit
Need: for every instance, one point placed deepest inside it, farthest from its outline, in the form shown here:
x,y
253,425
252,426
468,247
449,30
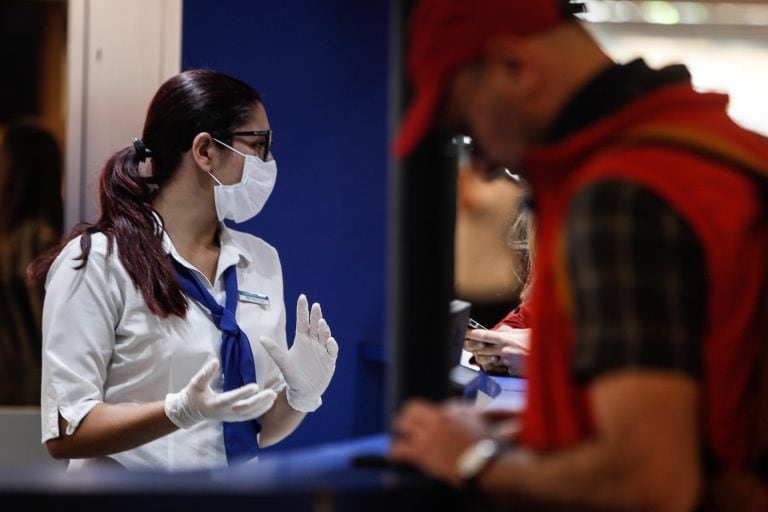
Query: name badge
x,y
253,298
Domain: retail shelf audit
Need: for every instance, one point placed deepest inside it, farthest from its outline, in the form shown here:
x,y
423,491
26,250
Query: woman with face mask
x,y
164,342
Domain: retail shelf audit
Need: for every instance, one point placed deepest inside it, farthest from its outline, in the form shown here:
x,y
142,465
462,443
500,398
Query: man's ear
x,y
202,148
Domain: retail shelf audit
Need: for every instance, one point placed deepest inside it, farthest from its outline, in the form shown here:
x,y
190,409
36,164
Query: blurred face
x,y
483,103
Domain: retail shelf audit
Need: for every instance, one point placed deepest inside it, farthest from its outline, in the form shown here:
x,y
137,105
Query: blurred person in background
x,y
487,272
647,307
31,214
502,349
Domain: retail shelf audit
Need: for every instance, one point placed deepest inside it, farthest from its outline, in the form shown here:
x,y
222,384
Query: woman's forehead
x,y
256,120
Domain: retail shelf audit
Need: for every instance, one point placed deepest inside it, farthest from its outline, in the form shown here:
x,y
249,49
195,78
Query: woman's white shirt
x,y
101,343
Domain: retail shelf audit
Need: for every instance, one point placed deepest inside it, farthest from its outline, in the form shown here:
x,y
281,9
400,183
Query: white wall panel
x,y
120,51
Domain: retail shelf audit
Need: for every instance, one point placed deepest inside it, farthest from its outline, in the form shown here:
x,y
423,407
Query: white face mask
x,y
245,199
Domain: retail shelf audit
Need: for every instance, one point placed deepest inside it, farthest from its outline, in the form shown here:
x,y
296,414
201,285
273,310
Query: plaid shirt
x,y
639,282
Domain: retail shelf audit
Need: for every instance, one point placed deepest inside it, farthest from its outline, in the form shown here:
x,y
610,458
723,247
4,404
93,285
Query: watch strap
x,y
476,458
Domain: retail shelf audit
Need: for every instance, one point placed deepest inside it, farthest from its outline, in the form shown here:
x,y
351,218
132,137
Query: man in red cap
x,y
651,262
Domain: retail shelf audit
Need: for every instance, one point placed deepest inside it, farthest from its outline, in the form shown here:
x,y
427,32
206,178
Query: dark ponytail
x,y
187,104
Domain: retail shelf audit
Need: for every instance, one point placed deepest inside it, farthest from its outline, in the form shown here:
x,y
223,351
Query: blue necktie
x,y
240,438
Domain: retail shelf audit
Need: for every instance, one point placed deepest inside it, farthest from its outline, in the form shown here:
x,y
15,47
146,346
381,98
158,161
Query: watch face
x,y
477,457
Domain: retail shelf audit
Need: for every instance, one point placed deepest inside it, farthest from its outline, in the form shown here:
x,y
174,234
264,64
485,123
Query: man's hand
x,y
432,437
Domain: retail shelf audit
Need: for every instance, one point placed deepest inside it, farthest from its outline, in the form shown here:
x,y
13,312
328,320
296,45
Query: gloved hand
x,y
198,402
309,365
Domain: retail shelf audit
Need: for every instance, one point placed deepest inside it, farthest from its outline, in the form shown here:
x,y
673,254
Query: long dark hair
x,y
189,103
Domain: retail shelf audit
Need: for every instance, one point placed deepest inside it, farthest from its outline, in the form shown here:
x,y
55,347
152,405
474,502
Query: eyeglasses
x,y
263,145
465,146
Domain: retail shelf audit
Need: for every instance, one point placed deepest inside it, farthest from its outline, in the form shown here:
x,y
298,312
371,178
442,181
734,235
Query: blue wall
x,y
321,67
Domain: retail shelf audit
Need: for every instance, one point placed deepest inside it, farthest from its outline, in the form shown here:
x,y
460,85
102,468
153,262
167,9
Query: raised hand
x,y
310,363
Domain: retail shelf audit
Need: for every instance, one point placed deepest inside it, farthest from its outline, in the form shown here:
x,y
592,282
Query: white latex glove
x,y
309,365
198,402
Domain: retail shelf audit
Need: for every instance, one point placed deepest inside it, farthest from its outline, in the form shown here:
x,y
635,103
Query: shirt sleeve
x,y
80,312
518,318
638,281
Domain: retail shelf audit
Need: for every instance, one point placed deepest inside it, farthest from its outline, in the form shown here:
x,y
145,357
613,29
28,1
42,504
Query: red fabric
x,y
722,208
444,35
518,318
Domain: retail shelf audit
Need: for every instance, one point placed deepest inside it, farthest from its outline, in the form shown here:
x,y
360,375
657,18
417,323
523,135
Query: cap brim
x,y
417,122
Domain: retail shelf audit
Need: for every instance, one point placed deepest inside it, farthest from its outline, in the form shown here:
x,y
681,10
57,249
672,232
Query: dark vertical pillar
x,y
422,216
421,287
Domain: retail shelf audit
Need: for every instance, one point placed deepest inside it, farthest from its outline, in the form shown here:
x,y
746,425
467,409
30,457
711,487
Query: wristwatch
x,y
476,458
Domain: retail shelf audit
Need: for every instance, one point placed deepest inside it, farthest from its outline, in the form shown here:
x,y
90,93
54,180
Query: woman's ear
x,y
202,147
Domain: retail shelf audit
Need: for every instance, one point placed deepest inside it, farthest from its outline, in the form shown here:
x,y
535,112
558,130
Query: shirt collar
x,y
231,252
231,249
610,90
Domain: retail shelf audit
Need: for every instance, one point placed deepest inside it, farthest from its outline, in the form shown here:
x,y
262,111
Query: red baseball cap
x,y
444,35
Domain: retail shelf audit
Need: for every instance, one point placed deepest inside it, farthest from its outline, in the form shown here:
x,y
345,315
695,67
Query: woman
x,y
503,349
146,308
